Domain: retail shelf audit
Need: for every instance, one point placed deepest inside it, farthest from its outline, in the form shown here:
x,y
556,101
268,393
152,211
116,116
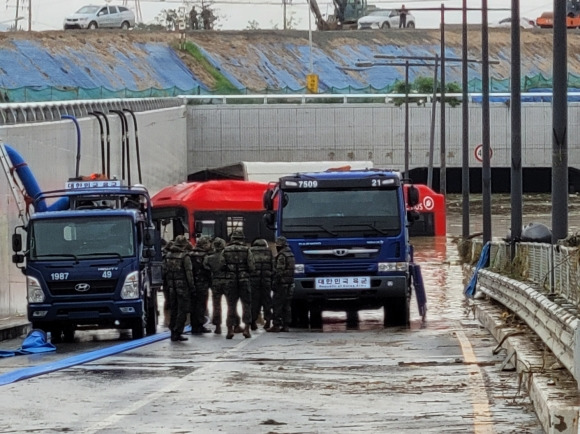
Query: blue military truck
x,y
349,233
91,263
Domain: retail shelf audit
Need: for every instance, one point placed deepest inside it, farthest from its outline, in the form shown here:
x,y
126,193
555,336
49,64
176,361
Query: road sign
x,y
479,153
312,83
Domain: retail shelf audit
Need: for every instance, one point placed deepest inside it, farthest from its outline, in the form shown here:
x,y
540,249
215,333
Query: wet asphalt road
x,y
438,376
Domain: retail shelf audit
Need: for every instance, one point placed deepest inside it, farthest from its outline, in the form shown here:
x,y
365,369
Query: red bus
x,y
212,208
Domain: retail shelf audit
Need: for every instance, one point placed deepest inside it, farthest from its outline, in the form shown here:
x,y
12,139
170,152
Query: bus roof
x,y
213,195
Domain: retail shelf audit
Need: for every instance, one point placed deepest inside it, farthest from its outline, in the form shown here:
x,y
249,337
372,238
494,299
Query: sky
x,y
268,14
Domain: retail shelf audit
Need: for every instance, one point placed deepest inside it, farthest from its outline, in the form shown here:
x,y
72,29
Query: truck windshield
x,y
332,213
81,238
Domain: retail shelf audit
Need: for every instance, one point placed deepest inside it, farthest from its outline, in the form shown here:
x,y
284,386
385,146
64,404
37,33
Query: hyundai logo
x,y
82,287
340,252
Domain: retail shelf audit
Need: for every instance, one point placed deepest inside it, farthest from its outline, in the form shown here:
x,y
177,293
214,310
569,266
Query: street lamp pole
x,y
407,118
465,128
443,165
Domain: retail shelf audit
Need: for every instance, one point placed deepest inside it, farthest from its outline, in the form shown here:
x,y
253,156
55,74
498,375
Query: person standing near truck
x,y
178,272
239,263
202,279
219,281
283,286
261,282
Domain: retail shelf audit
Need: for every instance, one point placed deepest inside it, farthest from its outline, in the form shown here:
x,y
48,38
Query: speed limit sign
x,y
479,153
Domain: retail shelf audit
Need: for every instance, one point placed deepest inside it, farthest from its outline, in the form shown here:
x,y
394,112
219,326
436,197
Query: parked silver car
x,y
384,19
93,17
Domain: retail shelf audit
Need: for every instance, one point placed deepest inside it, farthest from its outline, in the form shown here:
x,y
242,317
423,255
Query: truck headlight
x,y
299,269
393,266
35,293
130,289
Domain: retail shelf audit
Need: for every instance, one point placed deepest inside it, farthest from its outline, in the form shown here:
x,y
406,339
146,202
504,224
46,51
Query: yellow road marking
x,y
482,419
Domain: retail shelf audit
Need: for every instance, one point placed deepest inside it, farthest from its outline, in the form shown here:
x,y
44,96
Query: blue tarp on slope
x,y
30,64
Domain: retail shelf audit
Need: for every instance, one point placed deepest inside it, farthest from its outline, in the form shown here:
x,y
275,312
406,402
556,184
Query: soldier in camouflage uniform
x,y
202,278
213,262
261,282
239,263
283,286
178,273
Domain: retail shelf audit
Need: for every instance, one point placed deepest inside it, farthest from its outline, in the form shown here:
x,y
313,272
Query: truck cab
x,y
348,231
92,263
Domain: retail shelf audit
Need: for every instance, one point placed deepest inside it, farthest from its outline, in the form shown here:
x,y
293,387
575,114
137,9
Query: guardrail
x,y
540,285
19,113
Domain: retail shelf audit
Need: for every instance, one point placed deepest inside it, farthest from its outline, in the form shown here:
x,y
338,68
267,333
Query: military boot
x,y
274,329
246,332
218,330
238,329
254,326
230,332
267,325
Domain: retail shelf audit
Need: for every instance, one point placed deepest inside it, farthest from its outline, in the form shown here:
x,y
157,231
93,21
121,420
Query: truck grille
x,y
343,267
97,287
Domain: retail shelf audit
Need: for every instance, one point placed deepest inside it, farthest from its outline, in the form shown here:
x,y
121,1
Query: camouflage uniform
x,y
164,251
202,278
283,286
239,263
178,273
219,282
261,282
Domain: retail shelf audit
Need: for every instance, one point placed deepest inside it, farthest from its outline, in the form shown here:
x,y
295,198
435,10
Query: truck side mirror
x,y
270,220
16,243
412,196
149,237
267,200
18,259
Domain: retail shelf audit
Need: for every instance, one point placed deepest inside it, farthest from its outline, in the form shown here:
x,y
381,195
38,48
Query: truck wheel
x,y
315,317
138,329
152,316
299,314
396,312
68,334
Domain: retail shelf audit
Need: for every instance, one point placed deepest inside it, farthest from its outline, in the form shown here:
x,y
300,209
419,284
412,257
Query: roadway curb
x,y
12,328
552,389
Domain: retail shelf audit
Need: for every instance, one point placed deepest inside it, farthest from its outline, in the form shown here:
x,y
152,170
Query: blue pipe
x,y
29,183
78,128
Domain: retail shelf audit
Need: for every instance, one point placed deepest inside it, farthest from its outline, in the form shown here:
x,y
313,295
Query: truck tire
x,y
315,317
138,329
396,312
152,316
68,334
299,314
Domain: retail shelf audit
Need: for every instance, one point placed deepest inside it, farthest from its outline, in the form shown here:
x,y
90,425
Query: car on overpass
x,y
384,19
95,17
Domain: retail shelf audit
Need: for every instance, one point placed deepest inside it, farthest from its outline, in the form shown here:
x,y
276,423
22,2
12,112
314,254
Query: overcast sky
x,y
236,14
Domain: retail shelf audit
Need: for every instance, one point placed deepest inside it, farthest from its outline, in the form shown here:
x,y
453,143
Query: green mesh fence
x,y
40,94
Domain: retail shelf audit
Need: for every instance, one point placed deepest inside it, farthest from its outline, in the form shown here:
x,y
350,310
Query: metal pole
x,y
443,170
284,5
559,125
29,15
309,35
407,118
516,126
465,127
16,17
485,124
432,132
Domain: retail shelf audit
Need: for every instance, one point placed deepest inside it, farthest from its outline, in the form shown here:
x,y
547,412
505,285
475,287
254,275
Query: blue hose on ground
x,y
482,263
34,371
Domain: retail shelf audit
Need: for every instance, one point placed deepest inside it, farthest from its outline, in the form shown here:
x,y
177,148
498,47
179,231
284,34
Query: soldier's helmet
x,y
181,242
238,235
260,242
219,244
204,242
281,242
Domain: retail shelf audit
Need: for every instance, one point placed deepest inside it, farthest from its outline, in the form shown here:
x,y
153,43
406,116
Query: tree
x,y
253,25
424,85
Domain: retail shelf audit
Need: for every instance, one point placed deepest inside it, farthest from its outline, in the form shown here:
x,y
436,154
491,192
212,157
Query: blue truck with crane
x,y
348,230
90,252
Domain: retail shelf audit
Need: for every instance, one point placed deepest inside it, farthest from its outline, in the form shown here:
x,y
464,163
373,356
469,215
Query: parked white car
x,y
384,19
525,23
94,17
